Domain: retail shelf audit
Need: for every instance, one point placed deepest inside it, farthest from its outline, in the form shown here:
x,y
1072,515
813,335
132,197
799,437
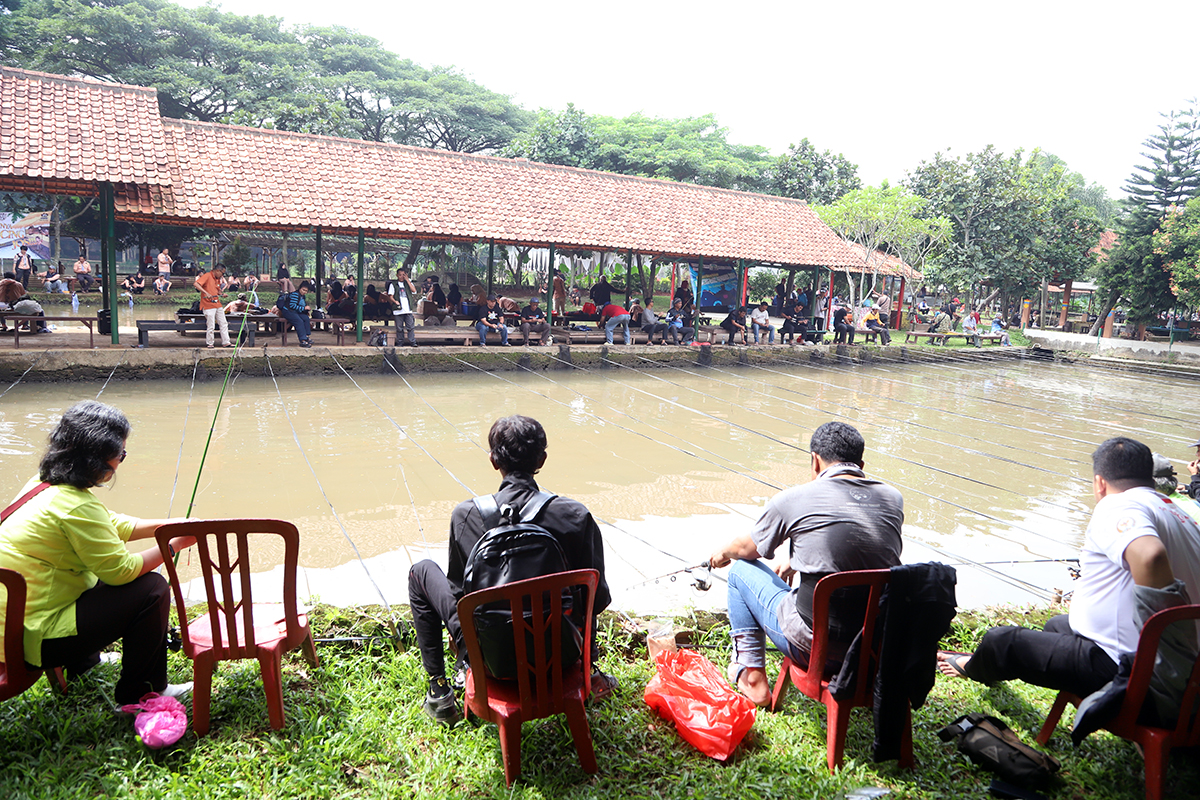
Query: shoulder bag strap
x,y
22,500
489,509
536,505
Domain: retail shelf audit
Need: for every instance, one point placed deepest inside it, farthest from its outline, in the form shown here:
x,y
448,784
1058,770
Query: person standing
x,y
23,266
292,307
883,302
209,286
402,295
517,450
533,320
560,295
164,265
840,520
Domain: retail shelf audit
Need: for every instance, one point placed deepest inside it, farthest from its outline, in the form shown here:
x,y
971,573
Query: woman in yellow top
x,y
86,589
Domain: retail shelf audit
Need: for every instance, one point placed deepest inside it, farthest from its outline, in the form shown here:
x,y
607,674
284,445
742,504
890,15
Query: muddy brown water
x,y
993,458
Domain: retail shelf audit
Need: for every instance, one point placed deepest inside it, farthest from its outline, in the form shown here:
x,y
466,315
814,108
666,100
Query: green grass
x,y
355,730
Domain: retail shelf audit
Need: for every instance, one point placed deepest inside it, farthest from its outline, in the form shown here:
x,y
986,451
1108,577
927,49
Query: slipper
x,y
954,661
603,686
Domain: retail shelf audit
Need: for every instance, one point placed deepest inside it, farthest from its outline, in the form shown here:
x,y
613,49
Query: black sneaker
x,y
440,704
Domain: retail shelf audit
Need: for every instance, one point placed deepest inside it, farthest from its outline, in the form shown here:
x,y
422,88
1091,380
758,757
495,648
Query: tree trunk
x,y
1109,304
414,250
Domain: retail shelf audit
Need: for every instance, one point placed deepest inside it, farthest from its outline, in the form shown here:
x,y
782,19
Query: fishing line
x,y
220,398
435,410
23,374
110,375
860,419
400,462
949,361
1011,525
187,412
395,624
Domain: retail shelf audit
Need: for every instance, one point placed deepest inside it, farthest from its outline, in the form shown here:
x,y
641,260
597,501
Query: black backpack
x,y
514,547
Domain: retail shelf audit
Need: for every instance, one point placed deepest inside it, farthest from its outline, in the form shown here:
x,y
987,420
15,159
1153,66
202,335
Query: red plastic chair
x,y
15,675
1156,743
815,684
543,687
234,628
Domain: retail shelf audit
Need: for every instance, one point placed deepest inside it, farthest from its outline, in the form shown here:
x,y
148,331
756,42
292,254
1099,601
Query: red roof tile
x,y
882,263
66,128
231,175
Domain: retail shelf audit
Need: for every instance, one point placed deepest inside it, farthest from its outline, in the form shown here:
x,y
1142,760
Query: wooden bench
x,y
146,326
920,330
29,322
336,324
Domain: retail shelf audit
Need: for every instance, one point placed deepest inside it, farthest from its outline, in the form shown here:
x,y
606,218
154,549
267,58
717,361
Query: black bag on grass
x,y
514,547
991,744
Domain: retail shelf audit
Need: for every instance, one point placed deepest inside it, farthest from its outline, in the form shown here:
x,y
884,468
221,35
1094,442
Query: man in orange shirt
x,y
209,286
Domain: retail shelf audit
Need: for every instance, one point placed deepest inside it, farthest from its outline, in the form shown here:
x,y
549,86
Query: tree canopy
x,y
808,174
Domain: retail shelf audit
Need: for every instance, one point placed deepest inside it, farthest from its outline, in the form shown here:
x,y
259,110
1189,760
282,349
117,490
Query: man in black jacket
x,y
518,451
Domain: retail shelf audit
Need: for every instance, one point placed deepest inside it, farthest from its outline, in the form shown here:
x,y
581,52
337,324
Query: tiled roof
x,y
882,263
66,135
74,132
227,175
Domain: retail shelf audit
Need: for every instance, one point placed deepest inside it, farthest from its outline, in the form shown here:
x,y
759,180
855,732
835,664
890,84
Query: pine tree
x,y
1134,271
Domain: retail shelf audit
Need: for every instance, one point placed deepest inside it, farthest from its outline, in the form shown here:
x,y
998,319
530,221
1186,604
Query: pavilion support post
x,y
320,266
109,256
102,276
899,308
628,276
550,289
674,273
699,286
745,280
362,256
491,265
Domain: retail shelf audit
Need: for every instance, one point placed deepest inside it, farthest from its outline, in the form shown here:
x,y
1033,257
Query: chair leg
x,y
906,749
781,684
1155,751
582,734
58,679
270,663
510,748
202,672
1056,710
837,722
309,649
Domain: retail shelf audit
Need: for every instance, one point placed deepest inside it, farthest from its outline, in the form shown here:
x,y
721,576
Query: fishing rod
x,y
110,375
701,582
187,413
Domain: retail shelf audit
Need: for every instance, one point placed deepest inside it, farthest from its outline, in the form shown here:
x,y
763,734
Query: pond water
x,y
992,457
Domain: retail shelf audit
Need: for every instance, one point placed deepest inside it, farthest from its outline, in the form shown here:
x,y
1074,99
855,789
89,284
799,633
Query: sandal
x,y
603,686
954,662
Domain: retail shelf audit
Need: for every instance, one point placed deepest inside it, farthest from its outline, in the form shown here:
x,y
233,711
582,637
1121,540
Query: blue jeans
x,y
610,327
755,593
769,328
299,322
483,332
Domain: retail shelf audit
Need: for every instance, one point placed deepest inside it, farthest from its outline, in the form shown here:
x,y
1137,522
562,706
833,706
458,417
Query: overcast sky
x,y
885,84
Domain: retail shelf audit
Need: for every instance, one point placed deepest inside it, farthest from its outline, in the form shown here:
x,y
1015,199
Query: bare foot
x,y
754,684
953,665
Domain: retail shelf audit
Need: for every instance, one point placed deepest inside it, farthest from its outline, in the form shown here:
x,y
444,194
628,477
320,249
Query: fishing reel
x,y
701,581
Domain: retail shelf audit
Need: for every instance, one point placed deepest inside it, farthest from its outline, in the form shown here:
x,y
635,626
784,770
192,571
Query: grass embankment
x,y
355,730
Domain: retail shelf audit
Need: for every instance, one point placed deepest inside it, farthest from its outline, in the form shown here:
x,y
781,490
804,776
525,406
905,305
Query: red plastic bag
x,y
691,692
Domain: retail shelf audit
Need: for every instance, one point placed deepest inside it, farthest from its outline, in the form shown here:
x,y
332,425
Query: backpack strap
x,y
536,505
489,509
23,499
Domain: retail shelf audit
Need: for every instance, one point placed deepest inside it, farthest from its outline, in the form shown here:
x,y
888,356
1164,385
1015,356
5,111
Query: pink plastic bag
x,y
162,721
690,691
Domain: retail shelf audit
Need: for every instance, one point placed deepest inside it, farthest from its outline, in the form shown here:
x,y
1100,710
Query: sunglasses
x,y
121,458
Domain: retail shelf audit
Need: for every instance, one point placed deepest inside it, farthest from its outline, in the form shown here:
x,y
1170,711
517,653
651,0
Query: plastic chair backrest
x,y
17,677
225,574
536,605
1187,728
874,580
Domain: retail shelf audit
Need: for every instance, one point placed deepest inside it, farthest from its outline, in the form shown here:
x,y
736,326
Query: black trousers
x,y
433,605
136,613
1055,657
842,331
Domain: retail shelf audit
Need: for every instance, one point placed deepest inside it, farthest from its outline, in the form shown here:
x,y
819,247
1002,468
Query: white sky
x,y
885,84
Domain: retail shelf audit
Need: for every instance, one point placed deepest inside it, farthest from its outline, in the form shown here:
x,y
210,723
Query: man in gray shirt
x,y
839,521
